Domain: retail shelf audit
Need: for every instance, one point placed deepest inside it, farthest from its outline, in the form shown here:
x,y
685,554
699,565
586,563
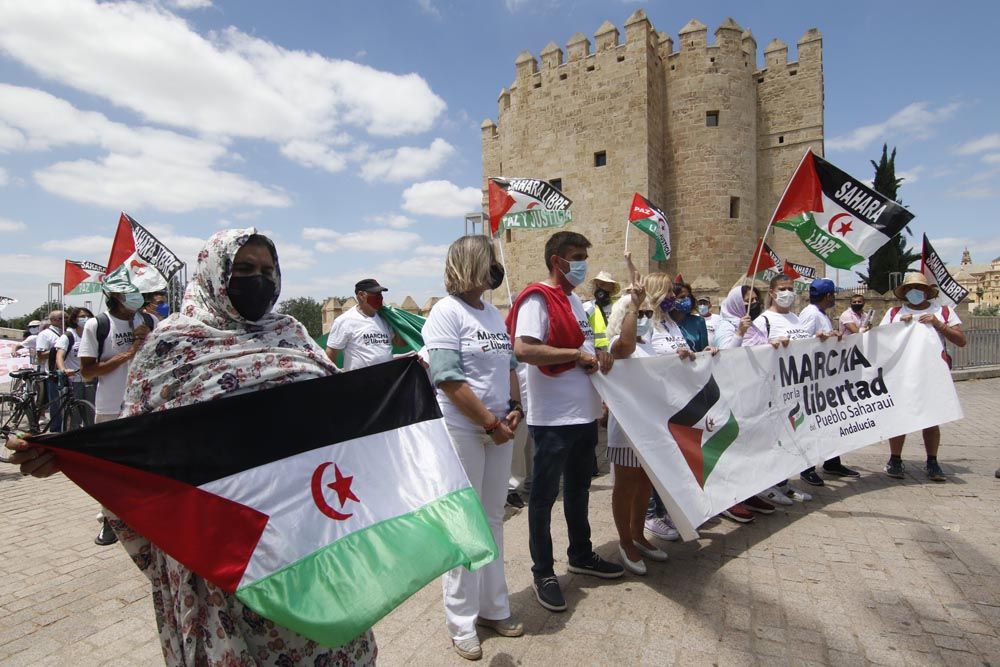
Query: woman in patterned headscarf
x,y
225,340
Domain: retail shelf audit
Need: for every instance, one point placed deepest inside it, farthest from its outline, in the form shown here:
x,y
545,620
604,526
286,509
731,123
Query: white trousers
x,y
520,467
483,592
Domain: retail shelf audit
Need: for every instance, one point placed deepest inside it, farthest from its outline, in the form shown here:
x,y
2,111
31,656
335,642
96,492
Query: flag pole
x,y
506,274
770,223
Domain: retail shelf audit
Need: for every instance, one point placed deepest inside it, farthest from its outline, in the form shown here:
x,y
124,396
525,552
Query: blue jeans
x,y
656,508
55,409
567,452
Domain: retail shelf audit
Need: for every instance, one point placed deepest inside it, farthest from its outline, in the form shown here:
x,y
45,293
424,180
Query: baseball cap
x,y
369,285
821,287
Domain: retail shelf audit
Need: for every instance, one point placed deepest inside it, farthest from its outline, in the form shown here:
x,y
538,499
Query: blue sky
x,y
349,131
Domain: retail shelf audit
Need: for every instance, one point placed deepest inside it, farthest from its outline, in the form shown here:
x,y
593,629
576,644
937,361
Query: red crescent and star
x,y
342,485
844,226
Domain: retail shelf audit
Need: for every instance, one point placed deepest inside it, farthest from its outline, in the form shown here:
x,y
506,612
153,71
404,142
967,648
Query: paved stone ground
x,y
872,571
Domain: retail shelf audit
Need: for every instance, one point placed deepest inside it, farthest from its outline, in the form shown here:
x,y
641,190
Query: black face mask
x,y
251,296
602,297
755,310
496,275
857,307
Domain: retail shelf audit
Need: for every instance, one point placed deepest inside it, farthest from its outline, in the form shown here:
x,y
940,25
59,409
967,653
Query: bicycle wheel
x,y
77,413
12,415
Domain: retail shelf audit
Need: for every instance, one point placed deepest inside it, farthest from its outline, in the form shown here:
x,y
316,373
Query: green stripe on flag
x,y
713,449
652,228
830,249
333,595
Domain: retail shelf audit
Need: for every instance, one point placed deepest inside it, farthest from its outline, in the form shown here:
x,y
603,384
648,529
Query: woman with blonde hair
x,y
472,364
634,333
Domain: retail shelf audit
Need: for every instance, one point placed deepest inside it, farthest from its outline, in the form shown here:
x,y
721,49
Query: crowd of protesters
x,y
534,378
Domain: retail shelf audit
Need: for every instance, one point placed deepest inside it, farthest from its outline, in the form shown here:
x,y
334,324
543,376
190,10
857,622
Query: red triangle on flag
x,y
804,192
763,258
73,275
124,244
500,202
790,271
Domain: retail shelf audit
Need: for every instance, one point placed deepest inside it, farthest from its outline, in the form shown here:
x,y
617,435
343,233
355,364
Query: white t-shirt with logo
x,y
366,341
711,321
111,386
565,399
485,349
814,320
46,342
667,338
71,361
782,325
934,309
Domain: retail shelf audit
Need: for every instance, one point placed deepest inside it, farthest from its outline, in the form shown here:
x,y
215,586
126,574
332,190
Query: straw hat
x,y
917,280
605,277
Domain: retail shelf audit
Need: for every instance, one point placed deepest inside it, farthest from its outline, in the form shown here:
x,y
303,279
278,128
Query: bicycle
x,y
22,412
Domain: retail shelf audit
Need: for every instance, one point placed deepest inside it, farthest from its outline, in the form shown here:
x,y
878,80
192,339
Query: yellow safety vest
x,y
599,327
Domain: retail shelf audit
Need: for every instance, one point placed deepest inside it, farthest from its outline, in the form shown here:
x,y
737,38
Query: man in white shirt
x,y
45,352
917,293
711,319
107,346
30,343
814,319
365,338
553,336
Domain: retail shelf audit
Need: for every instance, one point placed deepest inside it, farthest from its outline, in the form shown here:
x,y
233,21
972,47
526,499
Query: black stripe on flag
x,y
864,203
229,435
698,406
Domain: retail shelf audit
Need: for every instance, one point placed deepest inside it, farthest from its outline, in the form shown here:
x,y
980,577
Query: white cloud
x,y
8,225
365,241
190,4
314,154
441,198
406,163
982,249
910,176
142,166
96,246
990,142
427,7
360,54
144,58
392,220
977,192
992,158
4,178
515,5
38,266
914,121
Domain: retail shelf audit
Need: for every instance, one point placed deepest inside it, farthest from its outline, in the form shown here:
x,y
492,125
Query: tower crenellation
x,y
702,130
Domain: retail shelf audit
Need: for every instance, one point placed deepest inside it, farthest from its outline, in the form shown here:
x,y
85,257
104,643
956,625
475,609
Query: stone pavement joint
x,y
873,571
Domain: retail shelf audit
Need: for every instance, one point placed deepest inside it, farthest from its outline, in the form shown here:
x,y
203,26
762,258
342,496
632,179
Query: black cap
x,y
369,285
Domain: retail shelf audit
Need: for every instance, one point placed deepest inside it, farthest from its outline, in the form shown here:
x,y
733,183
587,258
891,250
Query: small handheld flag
x,y
933,267
652,221
763,259
526,203
836,216
149,263
82,277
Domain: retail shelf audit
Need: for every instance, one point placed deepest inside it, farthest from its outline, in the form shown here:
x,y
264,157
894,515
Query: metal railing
x,y
982,344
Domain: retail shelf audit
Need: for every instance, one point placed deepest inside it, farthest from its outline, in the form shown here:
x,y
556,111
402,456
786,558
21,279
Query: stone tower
x,y
699,130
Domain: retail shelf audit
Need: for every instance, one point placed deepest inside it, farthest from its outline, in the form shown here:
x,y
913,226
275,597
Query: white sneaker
x,y
796,494
775,496
663,528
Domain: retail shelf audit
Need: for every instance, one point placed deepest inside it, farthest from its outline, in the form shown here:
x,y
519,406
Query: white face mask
x,y
32,330
644,327
915,297
703,309
80,321
785,299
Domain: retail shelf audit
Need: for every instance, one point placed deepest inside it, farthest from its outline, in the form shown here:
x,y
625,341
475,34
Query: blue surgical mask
x,y
915,297
163,309
703,309
577,272
80,321
644,327
683,305
133,301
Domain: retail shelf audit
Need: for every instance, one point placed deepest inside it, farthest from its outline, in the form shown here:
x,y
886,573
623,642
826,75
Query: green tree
x,y
895,256
40,313
306,310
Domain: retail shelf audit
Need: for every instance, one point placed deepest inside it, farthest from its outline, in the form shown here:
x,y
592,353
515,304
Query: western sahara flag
x,y
653,222
149,263
704,429
799,271
526,203
933,267
763,259
82,277
838,218
321,525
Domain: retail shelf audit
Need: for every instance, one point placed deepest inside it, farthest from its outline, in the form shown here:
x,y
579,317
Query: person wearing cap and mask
x,y
553,336
363,335
105,355
704,306
30,342
917,294
814,319
599,309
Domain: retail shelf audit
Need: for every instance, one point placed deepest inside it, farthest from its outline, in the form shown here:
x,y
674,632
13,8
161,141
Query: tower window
x,y
556,183
590,68
538,85
562,77
600,158
781,139
734,207
712,118
793,72
508,237
621,59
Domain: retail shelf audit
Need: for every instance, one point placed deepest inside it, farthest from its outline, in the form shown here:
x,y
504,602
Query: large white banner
x,y
8,362
720,429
